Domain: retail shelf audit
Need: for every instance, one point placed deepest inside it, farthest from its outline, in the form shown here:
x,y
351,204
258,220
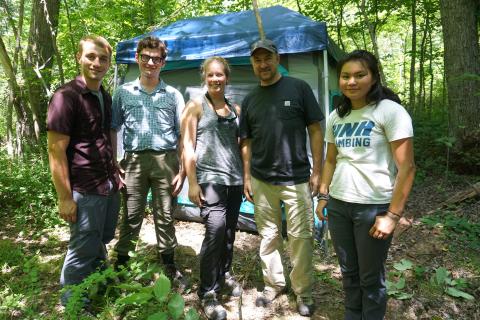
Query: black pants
x,y
361,258
220,215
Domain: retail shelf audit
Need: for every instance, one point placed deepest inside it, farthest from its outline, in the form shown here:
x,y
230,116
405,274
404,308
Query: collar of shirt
x,y
160,88
83,86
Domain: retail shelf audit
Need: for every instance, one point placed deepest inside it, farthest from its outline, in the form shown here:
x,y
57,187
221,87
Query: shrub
x,y
27,195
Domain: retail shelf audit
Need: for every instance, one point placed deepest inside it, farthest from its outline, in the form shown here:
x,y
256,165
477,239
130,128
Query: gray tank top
x,y
217,150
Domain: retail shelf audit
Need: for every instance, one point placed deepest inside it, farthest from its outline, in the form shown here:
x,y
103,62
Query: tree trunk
x,y
430,72
413,56
338,13
70,32
420,106
150,9
462,67
339,30
40,55
21,108
372,31
11,147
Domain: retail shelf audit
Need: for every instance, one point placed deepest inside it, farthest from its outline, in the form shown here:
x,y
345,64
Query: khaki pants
x,y
268,217
144,171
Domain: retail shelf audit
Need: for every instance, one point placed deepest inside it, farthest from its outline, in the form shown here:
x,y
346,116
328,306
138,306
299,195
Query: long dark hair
x,y
377,92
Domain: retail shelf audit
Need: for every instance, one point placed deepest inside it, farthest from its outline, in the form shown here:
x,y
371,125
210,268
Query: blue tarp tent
x,y
230,35
303,44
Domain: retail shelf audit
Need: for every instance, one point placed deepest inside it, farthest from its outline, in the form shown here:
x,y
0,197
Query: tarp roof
x,y
230,35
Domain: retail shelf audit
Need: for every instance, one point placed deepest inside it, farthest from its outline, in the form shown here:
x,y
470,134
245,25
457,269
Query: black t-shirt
x,y
275,117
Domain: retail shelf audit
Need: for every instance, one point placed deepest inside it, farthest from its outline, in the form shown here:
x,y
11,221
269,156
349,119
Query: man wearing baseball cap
x,y
274,119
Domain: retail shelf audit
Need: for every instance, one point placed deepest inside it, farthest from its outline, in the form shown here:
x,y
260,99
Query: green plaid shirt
x,y
150,120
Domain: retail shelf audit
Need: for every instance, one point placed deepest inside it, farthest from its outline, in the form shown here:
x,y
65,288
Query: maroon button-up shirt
x,y
76,112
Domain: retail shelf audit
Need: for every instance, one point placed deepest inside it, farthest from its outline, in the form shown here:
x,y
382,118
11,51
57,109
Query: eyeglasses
x,y
155,60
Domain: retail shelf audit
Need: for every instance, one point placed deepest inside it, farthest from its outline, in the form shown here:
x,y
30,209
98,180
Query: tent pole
x,y
259,19
115,74
326,103
326,98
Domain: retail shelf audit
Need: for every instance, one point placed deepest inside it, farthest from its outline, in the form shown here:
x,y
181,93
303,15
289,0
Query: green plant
x,y
448,143
396,288
325,276
26,192
10,302
453,288
20,274
169,304
419,272
140,291
455,228
430,157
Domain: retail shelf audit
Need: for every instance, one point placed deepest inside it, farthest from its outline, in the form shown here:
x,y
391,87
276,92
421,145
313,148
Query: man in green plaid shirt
x,y
149,110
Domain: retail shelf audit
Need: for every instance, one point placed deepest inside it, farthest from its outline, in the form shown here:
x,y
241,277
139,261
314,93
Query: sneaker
x,y
179,280
212,308
305,306
265,298
233,287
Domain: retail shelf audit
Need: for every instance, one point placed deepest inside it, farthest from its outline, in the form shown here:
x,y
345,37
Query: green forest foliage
x,y
27,195
347,25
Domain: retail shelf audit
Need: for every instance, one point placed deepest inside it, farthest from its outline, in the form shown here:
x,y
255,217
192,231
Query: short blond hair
x,y
98,41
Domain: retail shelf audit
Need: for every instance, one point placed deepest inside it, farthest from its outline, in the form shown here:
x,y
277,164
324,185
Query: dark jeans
x,y
361,258
220,215
96,222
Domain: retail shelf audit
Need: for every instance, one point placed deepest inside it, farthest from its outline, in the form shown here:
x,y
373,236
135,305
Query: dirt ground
x,y
413,241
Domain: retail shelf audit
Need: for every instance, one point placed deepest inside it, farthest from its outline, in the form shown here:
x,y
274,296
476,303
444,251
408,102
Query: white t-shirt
x,y
365,170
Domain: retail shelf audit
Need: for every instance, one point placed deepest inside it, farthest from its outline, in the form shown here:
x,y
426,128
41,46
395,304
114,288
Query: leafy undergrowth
x,y
27,196
433,266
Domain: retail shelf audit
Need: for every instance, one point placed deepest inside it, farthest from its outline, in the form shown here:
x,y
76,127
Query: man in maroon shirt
x,y
81,162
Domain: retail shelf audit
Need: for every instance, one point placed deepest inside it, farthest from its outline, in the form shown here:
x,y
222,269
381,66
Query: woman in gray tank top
x,y
214,170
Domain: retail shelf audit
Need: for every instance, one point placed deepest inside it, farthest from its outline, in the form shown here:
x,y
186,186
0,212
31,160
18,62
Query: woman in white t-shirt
x,y
367,176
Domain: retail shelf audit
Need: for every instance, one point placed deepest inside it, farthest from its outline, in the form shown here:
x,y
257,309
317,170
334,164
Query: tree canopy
x,y
38,42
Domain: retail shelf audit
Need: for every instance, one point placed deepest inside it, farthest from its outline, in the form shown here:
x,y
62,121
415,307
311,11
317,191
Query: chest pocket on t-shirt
x,y
289,109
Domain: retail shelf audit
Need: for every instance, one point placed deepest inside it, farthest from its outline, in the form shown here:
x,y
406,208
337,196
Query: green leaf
x,y
400,284
459,283
403,296
458,293
158,316
130,286
162,287
176,306
393,292
419,271
403,265
136,298
390,286
394,287
441,274
192,314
